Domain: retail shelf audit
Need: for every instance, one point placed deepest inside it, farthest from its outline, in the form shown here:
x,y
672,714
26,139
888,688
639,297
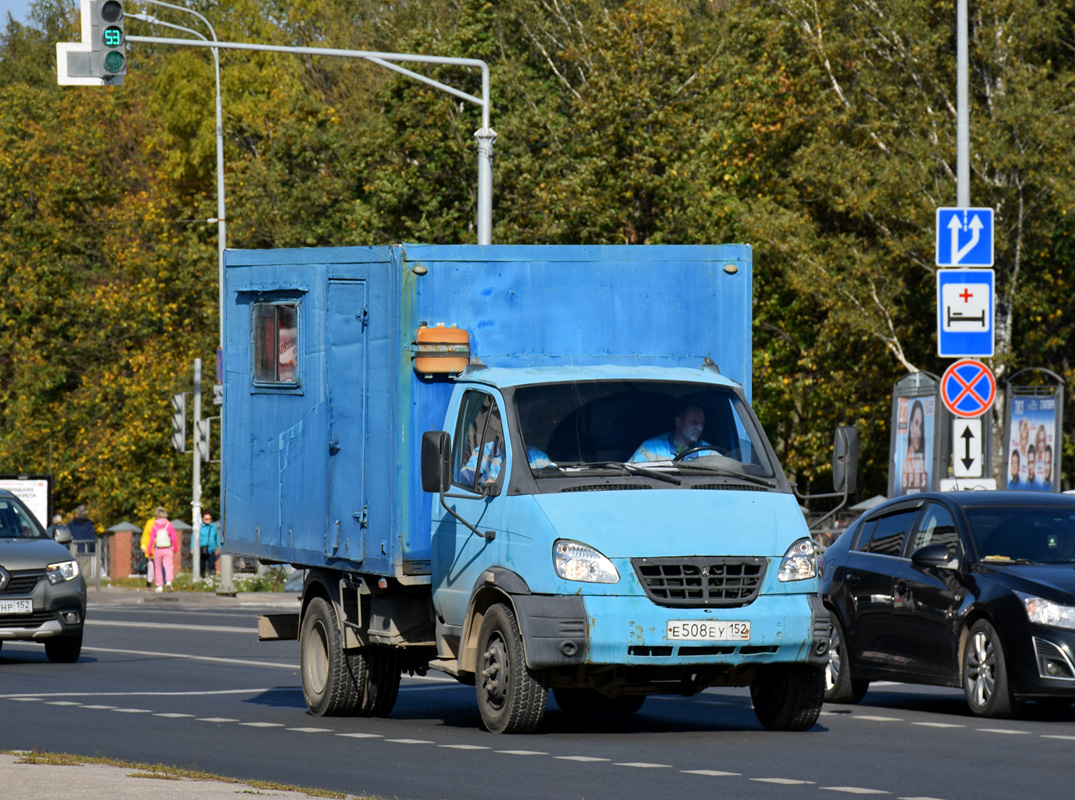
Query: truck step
x,y
449,665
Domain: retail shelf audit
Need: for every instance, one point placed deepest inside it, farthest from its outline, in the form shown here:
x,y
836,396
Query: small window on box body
x,y
276,343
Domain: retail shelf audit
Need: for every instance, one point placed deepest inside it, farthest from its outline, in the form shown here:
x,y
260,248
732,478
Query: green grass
x,y
272,581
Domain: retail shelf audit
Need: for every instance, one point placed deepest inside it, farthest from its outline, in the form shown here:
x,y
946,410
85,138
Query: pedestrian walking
x,y
209,541
163,545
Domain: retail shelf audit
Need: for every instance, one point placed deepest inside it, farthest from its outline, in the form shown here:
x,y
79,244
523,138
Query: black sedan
x,y
967,589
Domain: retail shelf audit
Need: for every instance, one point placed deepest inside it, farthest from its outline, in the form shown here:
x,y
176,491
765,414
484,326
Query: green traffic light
x,y
114,61
113,36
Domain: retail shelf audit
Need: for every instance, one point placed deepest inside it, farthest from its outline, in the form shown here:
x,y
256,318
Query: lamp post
x,y
226,586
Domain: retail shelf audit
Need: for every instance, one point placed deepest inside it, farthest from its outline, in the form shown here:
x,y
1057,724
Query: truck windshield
x,y
641,427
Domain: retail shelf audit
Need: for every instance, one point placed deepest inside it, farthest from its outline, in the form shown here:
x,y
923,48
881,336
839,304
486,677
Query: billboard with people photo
x,y
1031,445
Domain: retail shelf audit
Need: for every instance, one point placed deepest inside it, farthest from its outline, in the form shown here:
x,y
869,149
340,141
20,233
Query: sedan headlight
x,y
1046,612
575,561
64,571
799,562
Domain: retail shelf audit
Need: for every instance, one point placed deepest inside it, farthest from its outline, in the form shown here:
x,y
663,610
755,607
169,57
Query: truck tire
x,y
788,697
584,702
329,683
511,697
377,670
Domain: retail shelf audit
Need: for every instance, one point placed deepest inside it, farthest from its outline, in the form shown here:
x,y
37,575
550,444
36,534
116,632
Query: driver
x,y
687,433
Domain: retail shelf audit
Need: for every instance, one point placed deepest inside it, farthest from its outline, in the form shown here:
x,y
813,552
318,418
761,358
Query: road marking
x,y
109,708
133,710
311,730
216,719
211,659
1004,731
263,724
169,715
1058,736
712,773
938,725
410,741
25,699
581,758
104,623
877,719
464,746
37,697
520,752
643,765
62,703
361,735
782,781
852,790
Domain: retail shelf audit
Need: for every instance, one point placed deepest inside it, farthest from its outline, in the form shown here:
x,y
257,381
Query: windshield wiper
x,y
729,474
633,469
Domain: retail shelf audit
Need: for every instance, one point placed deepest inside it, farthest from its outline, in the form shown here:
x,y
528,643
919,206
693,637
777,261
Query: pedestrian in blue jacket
x,y
209,541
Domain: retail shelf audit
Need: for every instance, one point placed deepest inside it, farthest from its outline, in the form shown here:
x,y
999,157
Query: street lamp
x,y
221,221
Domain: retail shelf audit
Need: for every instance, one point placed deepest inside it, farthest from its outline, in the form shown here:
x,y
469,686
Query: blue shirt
x,y
663,448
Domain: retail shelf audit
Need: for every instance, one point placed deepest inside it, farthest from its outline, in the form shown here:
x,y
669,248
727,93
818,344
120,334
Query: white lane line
x,y
938,725
25,699
852,790
464,747
169,715
154,654
520,752
1058,736
104,623
361,735
643,765
581,758
62,703
311,730
410,741
876,719
133,710
216,719
712,773
33,697
1004,731
782,781
109,708
263,724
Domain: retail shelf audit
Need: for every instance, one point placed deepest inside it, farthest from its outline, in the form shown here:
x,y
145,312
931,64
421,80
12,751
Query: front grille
x,y
22,581
606,487
701,581
731,487
34,620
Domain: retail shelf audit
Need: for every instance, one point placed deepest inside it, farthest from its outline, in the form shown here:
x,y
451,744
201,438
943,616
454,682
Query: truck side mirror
x,y
436,471
845,459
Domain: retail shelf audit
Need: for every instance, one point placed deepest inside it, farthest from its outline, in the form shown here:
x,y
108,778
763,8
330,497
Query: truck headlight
x,y
575,561
1046,612
799,562
64,571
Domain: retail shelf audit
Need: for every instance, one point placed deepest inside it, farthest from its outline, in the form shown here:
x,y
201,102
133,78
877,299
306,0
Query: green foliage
x,y
820,131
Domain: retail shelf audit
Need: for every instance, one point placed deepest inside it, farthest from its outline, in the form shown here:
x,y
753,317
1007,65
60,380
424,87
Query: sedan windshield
x,y
15,523
641,427
1038,534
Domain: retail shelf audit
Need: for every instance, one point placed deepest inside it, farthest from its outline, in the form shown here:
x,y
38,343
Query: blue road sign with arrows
x,y
964,237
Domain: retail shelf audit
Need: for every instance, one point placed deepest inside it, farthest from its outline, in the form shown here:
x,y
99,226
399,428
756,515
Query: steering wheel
x,y
699,448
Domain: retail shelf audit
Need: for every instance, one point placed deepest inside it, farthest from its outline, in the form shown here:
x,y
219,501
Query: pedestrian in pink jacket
x,y
163,544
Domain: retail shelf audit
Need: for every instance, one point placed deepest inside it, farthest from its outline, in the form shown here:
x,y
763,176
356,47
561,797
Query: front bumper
x,y
58,610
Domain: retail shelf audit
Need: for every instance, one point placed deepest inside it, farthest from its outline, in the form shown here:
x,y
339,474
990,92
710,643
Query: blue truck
x,y
534,468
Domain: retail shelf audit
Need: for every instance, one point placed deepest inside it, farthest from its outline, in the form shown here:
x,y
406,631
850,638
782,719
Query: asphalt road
x,y
170,681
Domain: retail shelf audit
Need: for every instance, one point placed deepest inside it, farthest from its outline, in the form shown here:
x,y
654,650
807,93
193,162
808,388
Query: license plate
x,y
16,606
710,630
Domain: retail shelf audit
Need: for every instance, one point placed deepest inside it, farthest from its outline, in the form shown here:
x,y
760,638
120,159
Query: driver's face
x,y
690,425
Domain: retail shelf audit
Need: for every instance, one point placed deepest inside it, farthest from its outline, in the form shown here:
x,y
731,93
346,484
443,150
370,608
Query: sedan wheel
x,y
985,674
840,687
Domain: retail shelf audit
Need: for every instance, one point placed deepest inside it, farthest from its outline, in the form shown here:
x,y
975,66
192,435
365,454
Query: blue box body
x,y
326,474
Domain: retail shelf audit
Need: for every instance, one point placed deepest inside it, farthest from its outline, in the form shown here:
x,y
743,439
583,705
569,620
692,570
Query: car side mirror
x,y
63,535
937,556
845,459
436,470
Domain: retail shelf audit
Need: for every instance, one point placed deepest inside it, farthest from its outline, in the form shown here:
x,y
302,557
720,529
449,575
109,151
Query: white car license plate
x,y
708,630
16,606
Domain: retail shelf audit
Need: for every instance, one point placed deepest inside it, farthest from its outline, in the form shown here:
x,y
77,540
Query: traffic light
x,y
179,422
100,59
201,432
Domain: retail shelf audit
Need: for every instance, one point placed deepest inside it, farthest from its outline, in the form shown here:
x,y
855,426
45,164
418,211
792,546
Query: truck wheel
x,y
64,649
788,697
985,674
377,669
584,702
840,687
329,684
511,697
